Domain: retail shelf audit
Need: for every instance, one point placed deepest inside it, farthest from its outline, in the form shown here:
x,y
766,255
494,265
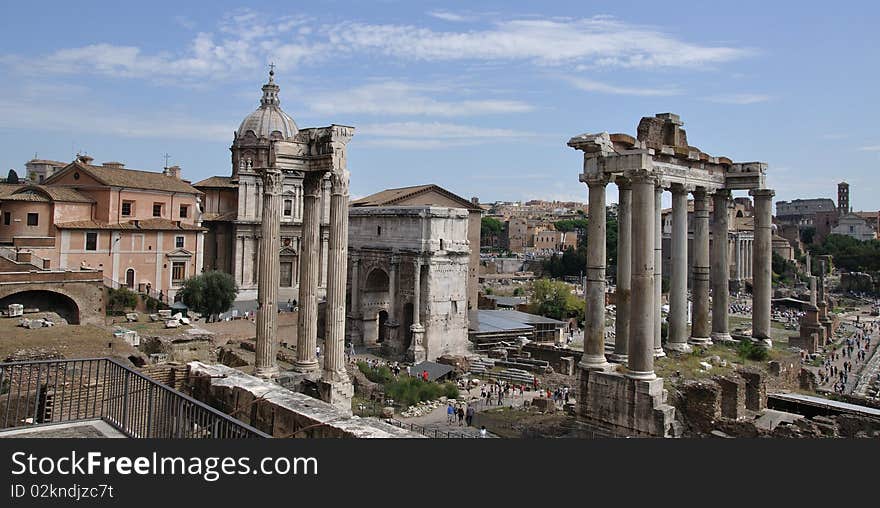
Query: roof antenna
x,y
167,157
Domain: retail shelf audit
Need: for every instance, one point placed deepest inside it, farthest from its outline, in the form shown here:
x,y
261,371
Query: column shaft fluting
x,y
416,329
623,291
640,360
720,267
658,271
700,326
678,300
268,275
337,261
307,323
393,290
762,264
594,325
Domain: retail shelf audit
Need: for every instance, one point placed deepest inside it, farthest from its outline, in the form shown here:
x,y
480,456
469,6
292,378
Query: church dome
x,y
269,120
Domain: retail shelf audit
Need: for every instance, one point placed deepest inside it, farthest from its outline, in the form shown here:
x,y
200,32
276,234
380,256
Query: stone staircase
x,y
483,366
22,260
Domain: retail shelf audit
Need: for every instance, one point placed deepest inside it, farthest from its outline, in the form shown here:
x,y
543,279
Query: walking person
x,y
469,415
460,415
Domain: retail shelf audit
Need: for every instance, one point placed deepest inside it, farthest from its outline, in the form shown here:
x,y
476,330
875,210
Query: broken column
x,y
594,323
720,267
762,265
265,363
678,301
623,292
700,331
335,386
307,322
658,276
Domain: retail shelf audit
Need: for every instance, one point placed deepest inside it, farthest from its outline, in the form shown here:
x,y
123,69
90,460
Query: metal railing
x,y
61,391
425,431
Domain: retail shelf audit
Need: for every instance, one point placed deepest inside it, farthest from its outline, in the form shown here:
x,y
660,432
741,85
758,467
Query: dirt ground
x,y
73,341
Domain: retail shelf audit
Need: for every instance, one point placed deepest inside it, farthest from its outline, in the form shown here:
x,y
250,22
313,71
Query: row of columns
x,y
742,248
639,277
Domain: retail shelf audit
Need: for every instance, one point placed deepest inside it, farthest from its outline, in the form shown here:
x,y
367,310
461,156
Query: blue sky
x,y
479,97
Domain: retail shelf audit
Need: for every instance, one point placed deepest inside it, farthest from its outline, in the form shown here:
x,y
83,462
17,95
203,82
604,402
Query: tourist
x,y
460,413
483,432
450,413
425,376
469,415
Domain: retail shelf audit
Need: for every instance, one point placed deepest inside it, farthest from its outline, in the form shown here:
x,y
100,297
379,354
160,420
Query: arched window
x,y
129,278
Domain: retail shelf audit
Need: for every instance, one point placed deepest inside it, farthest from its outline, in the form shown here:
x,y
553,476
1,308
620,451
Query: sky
x,y
478,97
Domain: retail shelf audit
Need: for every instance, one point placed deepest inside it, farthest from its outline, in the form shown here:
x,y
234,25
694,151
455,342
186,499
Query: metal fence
x,y
425,431
60,391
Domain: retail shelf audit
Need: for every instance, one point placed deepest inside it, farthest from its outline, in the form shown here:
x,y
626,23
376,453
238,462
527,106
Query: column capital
x,y
339,182
594,179
312,181
762,193
273,180
680,188
354,257
643,176
622,183
722,193
395,259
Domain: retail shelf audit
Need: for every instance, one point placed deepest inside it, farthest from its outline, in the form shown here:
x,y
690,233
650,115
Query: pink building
x,y
142,229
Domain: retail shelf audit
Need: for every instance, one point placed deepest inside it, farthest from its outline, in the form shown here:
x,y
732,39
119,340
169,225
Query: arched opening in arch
x,y
46,301
739,213
129,278
407,323
377,281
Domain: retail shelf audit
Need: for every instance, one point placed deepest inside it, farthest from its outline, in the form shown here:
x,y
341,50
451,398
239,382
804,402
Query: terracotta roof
x,y
217,182
134,178
17,192
396,196
146,224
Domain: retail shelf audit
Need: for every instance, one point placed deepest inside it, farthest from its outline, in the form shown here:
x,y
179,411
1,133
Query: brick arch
x,y
46,301
86,297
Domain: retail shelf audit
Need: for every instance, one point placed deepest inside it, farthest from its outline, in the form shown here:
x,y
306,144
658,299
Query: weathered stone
x,y
131,317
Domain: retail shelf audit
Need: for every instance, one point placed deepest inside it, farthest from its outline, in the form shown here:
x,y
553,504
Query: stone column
x,y
813,299
391,325
678,300
417,350
658,269
307,322
720,267
268,280
336,388
594,323
640,364
762,291
623,293
738,252
355,261
700,328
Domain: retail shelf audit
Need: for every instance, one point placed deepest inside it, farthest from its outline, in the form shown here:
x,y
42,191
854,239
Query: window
x,y
178,242
286,274
288,207
7,218
378,230
91,240
127,207
33,219
184,211
178,272
157,209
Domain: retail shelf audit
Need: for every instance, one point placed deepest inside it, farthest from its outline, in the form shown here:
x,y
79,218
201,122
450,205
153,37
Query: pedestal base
x,y
597,362
679,347
700,341
721,337
625,406
659,353
267,372
337,393
305,367
617,358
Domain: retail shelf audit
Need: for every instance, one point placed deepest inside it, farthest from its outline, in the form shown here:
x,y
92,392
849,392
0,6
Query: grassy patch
x,y
412,390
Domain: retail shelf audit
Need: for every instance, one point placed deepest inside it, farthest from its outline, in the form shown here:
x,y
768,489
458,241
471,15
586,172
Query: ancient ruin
x,y
632,398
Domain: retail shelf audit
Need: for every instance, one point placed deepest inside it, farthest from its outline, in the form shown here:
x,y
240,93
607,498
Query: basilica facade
x,y
233,205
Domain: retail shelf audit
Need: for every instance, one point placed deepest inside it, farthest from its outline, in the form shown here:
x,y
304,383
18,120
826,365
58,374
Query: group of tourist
x,y
852,350
464,413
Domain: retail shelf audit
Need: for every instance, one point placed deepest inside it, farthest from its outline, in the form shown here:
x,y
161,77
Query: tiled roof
x,y
146,224
134,178
18,192
395,196
47,161
217,182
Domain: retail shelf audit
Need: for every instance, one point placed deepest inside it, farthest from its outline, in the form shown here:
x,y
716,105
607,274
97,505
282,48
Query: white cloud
x,y
740,98
397,98
434,135
448,16
590,85
599,40
245,40
870,148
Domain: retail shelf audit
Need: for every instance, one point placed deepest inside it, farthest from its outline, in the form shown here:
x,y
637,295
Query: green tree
x,y
209,294
118,300
554,299
490,226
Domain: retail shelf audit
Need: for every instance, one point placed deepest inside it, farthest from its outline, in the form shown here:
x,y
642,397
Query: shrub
x,y
752,350
381,375
412,390
118,300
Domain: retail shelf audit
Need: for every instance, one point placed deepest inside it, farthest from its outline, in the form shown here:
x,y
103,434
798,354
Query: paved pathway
x,y
869,327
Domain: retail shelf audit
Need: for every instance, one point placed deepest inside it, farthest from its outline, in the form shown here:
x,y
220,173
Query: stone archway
x,y
46,301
